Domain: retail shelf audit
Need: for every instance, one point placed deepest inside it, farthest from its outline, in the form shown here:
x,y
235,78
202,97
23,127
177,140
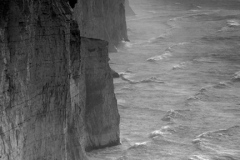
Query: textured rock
x,y
40,100
56,88
101,117
102,19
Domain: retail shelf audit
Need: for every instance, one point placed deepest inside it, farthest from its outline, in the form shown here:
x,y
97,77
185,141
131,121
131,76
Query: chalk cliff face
x,y
102,19
101,116
56,89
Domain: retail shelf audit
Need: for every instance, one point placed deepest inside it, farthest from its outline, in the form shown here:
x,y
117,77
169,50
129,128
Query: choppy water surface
x,y
179,95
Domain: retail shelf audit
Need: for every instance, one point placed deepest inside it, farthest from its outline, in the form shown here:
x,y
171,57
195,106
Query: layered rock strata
x,y
56,87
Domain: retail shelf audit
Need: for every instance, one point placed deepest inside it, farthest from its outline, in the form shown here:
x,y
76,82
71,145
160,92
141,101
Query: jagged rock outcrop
x,y
128,9
102,19
56,89
101,117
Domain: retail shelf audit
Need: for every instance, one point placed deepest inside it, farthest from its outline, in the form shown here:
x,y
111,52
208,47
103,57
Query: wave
x,y
203,94
222,132
156,39
138,18
155,58
171,23
165,130
180,66
216,152
226,29
126,77
221,85
236,77
139,145
212,157
233,23
174,19
183,43
160,57
223,143
121,101
195,10
173,114
125,44
151,79
199,157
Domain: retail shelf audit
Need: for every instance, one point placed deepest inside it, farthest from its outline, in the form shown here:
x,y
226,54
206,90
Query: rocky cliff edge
x,y
56,89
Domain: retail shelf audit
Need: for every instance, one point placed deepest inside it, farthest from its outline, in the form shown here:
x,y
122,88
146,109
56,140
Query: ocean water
x,y
179,91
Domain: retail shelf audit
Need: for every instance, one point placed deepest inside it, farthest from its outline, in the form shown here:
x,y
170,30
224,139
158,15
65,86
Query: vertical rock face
x,y
56,89
101,117
42,87
102,19
75,114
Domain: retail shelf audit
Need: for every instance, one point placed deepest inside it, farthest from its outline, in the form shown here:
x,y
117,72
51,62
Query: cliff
x,y
102,19
56,89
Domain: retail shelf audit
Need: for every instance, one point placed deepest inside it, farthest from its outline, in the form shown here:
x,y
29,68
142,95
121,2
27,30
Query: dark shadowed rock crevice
x,y
72,3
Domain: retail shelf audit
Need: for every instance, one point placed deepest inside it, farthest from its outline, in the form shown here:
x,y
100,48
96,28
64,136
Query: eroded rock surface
x,y
102,19
56,89
102,117
40,114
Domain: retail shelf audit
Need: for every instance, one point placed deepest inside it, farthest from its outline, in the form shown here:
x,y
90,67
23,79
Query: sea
x,y
179,88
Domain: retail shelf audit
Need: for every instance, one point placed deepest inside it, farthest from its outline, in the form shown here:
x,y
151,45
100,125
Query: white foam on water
x,y
126,44
161,132
183,43
139,145
233,22
195,10
147,80
174,19
155,58
180,65
199,157
121,101
222,143
165,55
219,132
236,76
151,79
